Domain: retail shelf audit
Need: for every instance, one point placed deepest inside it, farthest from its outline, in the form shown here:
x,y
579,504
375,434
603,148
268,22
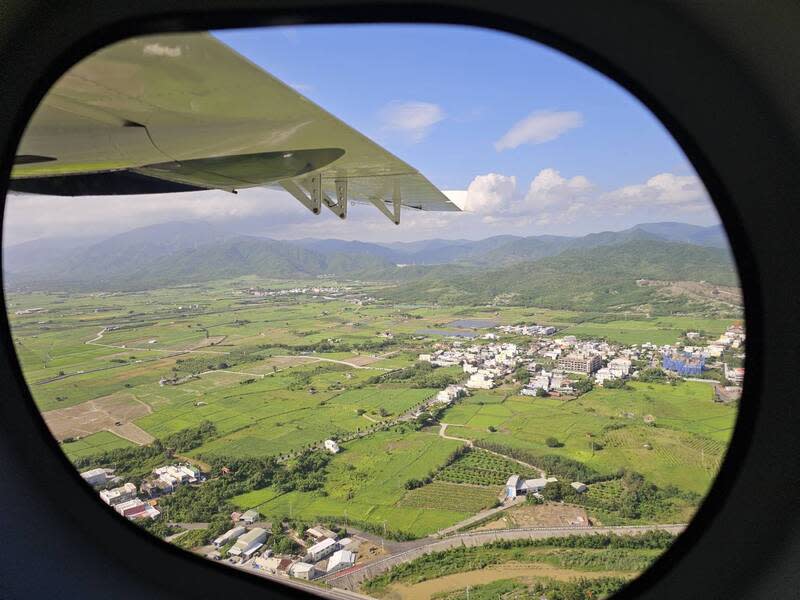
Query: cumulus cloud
x,y
492,193
552,198
539,127
683,193
494,203
413,120
549,189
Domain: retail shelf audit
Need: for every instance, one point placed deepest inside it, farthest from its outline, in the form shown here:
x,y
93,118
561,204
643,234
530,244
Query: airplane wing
x,y
184,112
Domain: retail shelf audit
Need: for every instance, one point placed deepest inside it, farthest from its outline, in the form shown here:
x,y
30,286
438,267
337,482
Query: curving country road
x,y
350,579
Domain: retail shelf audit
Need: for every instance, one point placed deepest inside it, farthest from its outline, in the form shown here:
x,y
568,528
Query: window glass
x,y
412,311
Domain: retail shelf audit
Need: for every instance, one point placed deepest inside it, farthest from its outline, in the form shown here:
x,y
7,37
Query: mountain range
x,y
184,252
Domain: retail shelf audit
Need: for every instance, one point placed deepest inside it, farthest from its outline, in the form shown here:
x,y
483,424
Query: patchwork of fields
x,y
686,444
366,483
277,375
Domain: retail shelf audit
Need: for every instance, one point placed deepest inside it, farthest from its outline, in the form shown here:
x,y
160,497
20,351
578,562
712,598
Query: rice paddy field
x,y
683,447
278,374
366,483
102,441
660,330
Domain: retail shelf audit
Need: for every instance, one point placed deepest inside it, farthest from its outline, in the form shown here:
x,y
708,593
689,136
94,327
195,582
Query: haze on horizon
x,y
538,145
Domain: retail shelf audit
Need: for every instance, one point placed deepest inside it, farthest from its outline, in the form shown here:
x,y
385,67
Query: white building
x,y
735,376
341,559
603,375
118,495
480,381
516,486
450,394
248,543
579,487
424,357
620,367
331,446
98,477
322,549
302,570
229,536
251,516
175,475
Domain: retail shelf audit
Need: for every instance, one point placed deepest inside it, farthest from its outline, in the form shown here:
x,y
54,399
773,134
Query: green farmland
x,y
277,376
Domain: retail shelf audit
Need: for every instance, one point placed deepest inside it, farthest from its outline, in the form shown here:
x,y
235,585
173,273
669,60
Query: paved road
x,y
350,579
335,593
509,502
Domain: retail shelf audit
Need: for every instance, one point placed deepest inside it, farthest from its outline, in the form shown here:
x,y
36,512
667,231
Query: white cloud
x,y
539,127
682,193
553,199
31,216
491,193
549,189
494,203
412,120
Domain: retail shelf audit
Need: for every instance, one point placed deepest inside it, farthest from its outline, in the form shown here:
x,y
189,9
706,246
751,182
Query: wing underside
x,y
186,113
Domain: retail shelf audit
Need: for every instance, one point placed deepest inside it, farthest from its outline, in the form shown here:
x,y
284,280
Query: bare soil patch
x,y
525,572
100,414
363,360
539,515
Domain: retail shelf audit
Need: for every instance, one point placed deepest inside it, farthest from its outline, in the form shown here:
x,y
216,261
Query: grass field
x,y
263,374
102,441
660,330
686,445
366,483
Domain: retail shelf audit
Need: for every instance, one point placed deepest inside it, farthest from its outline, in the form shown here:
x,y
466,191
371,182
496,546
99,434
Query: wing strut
x,y
393,216
311,203
340,207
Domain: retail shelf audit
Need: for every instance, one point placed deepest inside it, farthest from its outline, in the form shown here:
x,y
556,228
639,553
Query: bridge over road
x,y
350,579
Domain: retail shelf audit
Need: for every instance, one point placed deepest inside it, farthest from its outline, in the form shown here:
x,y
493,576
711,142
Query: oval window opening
x,y
409,311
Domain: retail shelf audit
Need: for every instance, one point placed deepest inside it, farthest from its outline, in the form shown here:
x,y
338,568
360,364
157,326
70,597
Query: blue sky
x,y
527,140
490,113
484,81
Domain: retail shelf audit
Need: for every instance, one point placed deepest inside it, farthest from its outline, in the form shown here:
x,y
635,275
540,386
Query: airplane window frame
x,y
96,34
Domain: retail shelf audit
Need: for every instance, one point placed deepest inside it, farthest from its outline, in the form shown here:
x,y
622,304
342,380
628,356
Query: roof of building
x,y
93,473
539,482
252,535
323,545
341,557
231,533
513,481
250,514
302,567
